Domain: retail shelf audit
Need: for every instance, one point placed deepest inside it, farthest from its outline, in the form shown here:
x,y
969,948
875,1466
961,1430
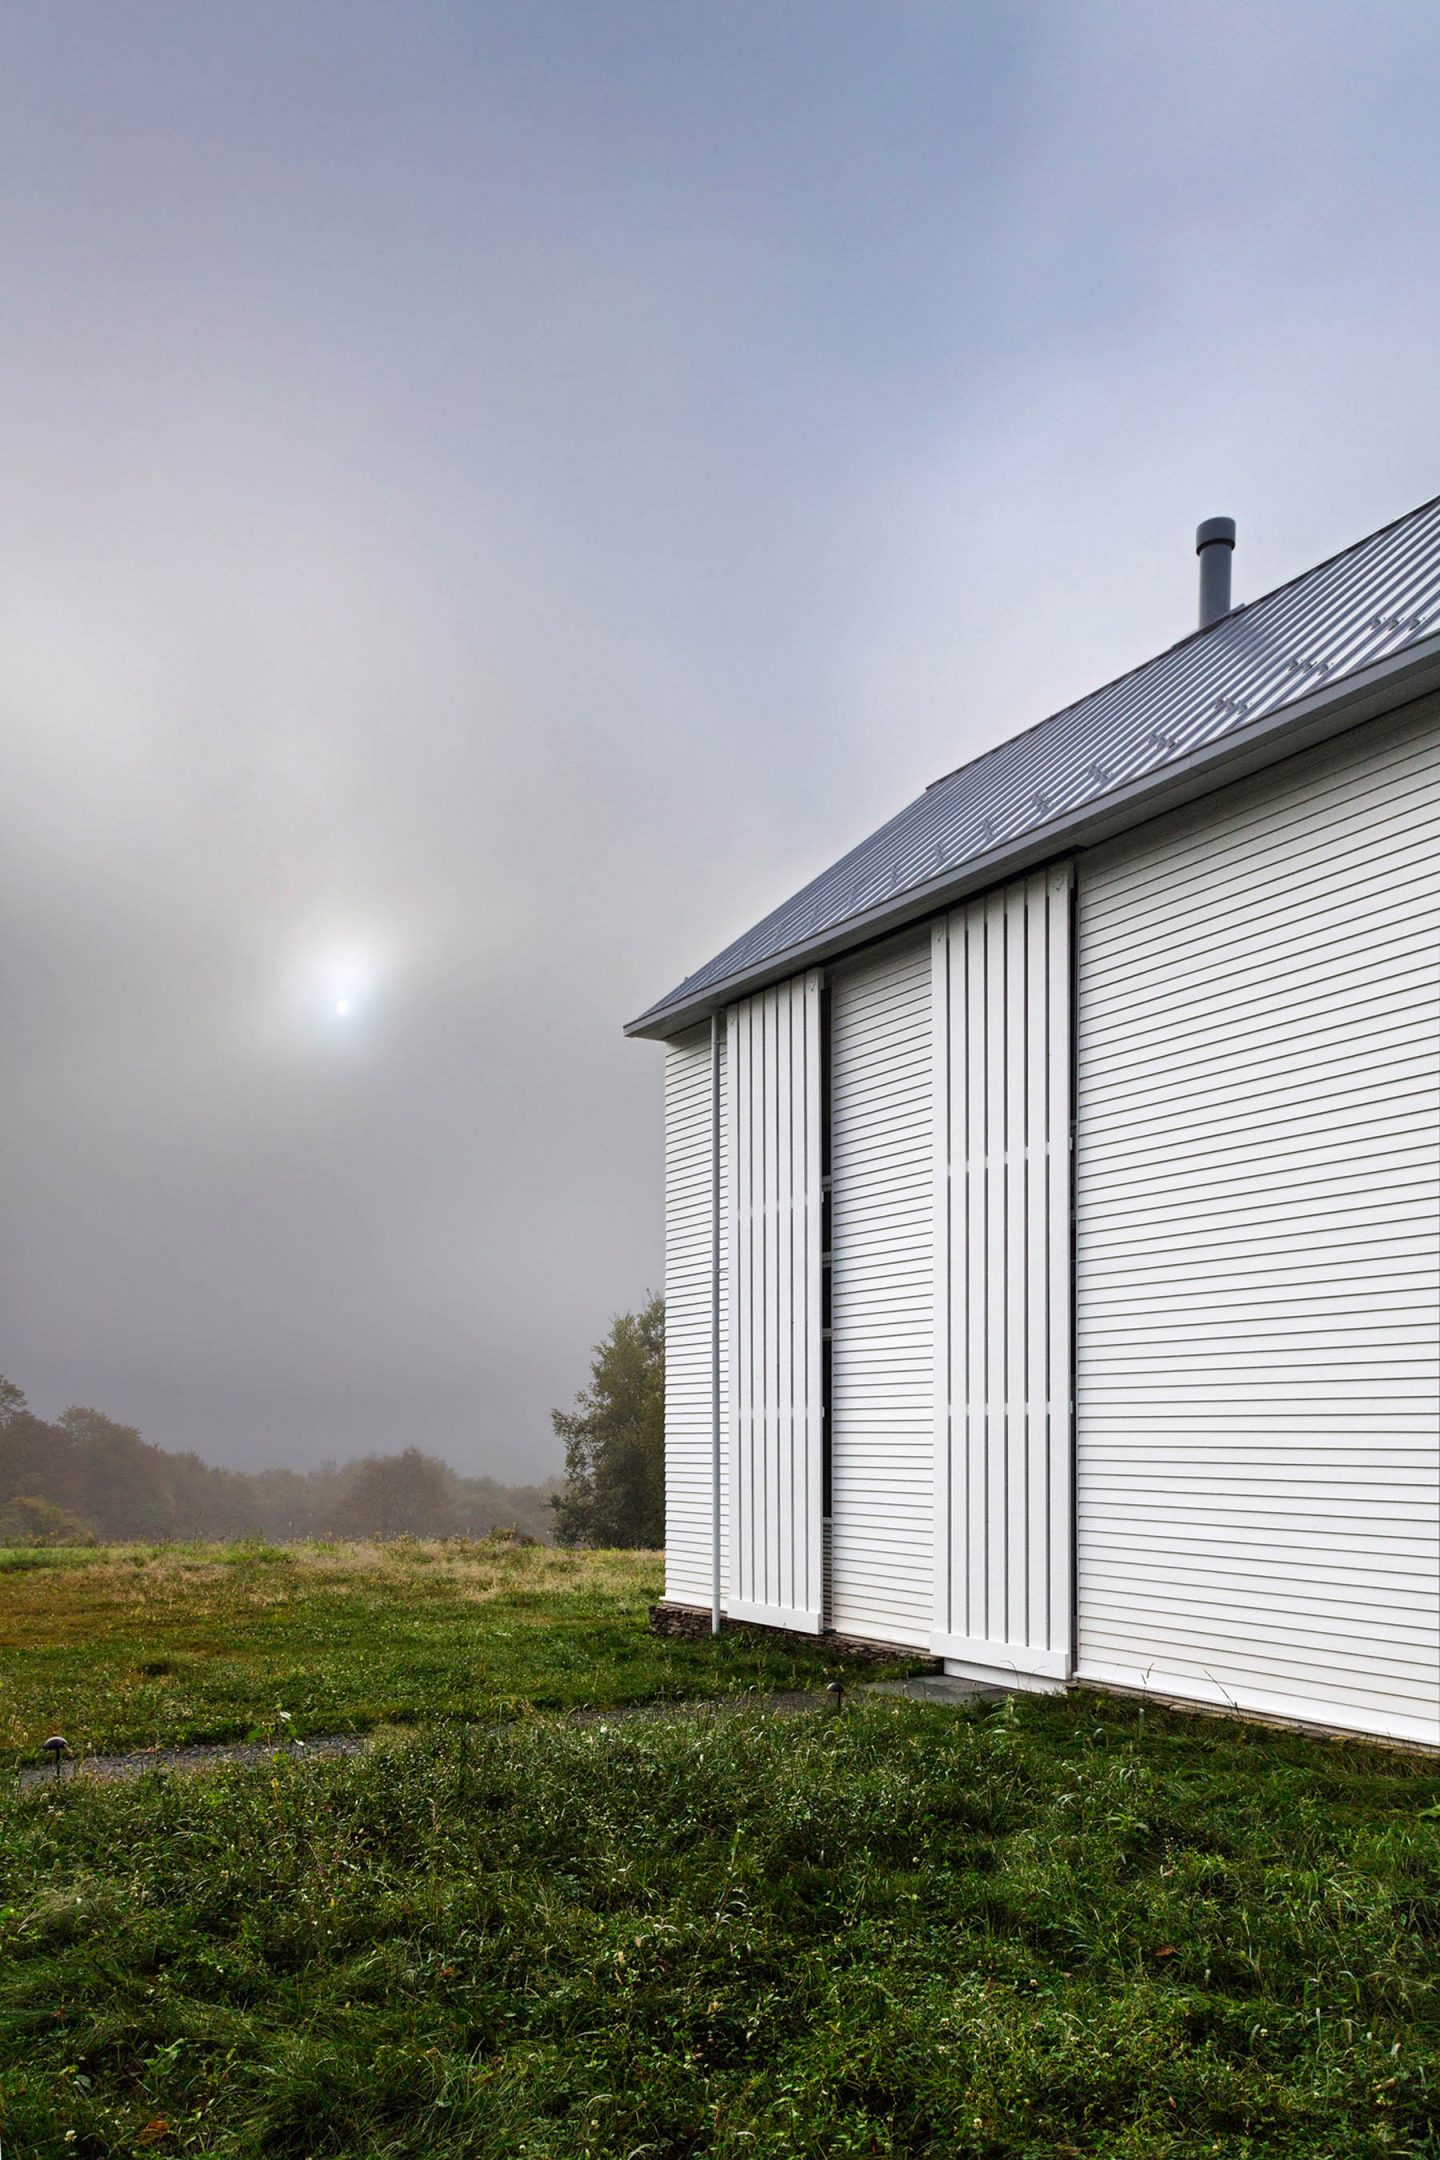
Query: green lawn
x,y
146,1646
1049,1927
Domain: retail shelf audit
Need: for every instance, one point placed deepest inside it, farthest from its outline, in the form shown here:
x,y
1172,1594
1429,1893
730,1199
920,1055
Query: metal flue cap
x,y
1215,532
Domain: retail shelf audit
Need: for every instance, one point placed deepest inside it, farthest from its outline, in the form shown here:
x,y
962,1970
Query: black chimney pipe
x,y
1214,544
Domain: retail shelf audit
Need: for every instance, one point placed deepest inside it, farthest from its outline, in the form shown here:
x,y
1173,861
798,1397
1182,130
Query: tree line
x,y
83,1477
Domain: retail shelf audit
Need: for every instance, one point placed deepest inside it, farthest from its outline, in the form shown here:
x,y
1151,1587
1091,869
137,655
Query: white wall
x,y
1001,973
883,1272
775,1572
689,1511
1257,1322
1259,1242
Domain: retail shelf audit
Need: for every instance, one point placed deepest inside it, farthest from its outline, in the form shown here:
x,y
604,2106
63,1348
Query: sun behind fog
x,y
333,982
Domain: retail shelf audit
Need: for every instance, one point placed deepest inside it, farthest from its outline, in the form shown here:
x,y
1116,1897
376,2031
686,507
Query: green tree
x,y
127,1486
12,1400
614,1439
405,1495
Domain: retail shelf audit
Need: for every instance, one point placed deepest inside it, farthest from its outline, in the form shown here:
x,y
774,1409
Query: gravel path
x,y
211,1756
786,1702
220,1755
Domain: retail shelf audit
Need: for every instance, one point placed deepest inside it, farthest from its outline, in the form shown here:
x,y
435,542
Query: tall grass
x,y
153,1646
1055,1928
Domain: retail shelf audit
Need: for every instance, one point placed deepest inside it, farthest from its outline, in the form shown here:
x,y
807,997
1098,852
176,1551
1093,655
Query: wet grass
x,y
1050,1928
137,1647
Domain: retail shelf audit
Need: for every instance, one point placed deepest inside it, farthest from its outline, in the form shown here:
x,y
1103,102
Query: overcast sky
x,y
492,498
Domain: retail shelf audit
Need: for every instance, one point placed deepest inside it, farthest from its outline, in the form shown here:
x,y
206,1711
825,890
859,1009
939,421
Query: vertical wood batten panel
x,y
763,1397
1258,1443
767,1559
774,1527
736,1229
970,1287
1019,1527
991,1169
1060,1071
787,1517
1050,962
810,1298
946,1239
1003,1148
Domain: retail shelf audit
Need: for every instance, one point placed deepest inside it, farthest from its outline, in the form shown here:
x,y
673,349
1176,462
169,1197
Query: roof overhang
x,y
1371,691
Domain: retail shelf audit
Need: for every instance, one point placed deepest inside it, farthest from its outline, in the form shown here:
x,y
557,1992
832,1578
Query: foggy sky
x,y
503,494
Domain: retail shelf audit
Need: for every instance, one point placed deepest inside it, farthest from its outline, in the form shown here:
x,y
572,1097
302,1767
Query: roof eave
x,y
1365,695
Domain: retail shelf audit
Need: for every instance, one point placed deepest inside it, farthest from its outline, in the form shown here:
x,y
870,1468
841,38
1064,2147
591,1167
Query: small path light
x,y
57,1748
836,1693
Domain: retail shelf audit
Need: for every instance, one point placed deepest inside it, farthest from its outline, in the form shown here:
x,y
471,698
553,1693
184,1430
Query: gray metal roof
x,y
1364,605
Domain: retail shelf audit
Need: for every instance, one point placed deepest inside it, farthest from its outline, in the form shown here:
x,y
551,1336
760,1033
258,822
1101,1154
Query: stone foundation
x,y
692,1621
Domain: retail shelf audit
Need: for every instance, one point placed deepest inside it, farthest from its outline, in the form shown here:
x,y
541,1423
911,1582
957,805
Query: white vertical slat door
x,y
690,1361
776,1390
1004,1527
1258,1243
882,1274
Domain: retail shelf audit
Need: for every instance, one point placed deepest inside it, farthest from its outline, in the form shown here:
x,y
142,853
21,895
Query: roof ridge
x,y
1191,637
1365,603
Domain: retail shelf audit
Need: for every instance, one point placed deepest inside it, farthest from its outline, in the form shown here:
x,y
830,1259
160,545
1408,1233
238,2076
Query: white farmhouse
x,y
1053,1190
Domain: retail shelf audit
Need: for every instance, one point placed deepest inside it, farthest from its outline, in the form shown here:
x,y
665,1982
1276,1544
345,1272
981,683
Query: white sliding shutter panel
x,y
1258,1243
689,1317
774,1074
1004,1527
882,1282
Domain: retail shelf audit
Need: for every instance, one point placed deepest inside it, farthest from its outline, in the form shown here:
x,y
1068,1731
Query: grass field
x,y
1051,1927
149,1646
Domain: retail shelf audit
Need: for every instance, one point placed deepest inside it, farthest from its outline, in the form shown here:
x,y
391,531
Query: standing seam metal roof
x,y
1365,604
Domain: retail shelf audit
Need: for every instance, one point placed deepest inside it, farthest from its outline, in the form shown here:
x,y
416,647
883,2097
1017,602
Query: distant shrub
x,y
28,1521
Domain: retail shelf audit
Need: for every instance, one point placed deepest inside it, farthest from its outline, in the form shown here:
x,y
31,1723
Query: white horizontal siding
x,y
689,1371
1258,1243
882,1296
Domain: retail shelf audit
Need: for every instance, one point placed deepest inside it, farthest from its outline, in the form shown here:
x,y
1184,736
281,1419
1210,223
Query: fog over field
x,y
496,496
